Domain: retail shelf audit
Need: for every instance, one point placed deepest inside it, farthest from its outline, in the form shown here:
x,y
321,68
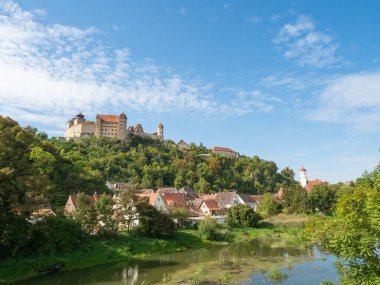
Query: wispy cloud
x,y
351,100
182,11
253,20
274,18
49,72
301,42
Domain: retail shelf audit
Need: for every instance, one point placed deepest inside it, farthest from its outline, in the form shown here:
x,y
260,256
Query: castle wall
x,y
105,126
80,130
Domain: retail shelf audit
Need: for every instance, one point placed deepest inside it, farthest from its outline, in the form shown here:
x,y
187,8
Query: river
x,y
243,263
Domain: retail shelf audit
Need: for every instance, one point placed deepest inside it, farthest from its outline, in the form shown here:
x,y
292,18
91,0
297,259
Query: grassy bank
x,y
126,246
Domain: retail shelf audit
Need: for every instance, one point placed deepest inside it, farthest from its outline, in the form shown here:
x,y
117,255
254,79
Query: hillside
x,y
64,167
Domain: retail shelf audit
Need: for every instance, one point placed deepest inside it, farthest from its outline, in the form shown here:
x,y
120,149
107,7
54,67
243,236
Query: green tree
x,y
85,213
322,198
105,208
152,222
44,160
22,186
353,233
242,216
202,186
295,199
180,214
56,234
269,206
127,211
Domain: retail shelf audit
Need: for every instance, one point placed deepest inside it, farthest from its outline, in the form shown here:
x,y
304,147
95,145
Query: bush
x,y
242,216
55,235
210,230
152,222
268,206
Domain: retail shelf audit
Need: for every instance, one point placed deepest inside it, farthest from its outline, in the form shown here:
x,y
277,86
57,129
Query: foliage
x,y
104,207
153,223
322,198
268,206
85,213
295,199
56,235
180,214
242,216
209,229
127,212
353,233
276,275
22,186
151,163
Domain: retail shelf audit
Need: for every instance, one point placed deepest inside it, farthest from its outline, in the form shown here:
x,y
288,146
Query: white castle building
x,y
111,126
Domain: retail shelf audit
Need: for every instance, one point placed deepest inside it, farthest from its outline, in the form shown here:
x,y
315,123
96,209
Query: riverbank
x,y
127,246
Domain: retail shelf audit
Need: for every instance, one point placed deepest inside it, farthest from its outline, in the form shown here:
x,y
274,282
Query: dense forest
x,y
64,167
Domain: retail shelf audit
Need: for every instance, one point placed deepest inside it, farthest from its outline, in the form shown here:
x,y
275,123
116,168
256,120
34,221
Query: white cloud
x,y
308,47
352,100
253,20
55,71
274,18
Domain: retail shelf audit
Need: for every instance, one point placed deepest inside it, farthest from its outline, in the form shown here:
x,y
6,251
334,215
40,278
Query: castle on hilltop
x,y
111,126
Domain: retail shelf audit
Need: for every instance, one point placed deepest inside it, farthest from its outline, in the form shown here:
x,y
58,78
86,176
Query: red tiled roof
x,y
167,190
247,198
212,205
150,197
173,200
310,184
92,198
225,149
109,118
257,198
207,197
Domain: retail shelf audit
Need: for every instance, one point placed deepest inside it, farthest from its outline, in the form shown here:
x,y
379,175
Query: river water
x,y
246,263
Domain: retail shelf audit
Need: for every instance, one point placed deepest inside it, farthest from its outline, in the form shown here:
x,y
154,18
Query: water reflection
x,y
151,270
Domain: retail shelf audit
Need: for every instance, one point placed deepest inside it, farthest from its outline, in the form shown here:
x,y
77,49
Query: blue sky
x,y
296,82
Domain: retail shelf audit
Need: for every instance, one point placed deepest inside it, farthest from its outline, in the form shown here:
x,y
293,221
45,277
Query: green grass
x,y
96,251
126,246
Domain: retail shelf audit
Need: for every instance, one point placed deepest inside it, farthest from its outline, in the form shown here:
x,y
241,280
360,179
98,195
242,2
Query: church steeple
x,y
303,177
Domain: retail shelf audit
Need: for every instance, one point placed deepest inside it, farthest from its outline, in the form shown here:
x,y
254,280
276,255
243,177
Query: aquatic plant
x,y
194,279
276,275
202,269
290,262
225,277
165,278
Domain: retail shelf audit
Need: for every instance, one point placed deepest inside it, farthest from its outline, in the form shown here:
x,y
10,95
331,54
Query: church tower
x,y
160,131
303,177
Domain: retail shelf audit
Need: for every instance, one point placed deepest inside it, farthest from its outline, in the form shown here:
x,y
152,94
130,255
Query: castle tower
x,y
160,130
303,177
98,123
122,132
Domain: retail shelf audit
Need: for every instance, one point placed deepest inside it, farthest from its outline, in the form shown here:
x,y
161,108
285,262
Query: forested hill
x,y
29,159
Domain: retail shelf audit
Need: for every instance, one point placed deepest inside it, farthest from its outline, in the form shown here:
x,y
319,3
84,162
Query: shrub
x,y
242,216
56,234
268,206
152,222
210,230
